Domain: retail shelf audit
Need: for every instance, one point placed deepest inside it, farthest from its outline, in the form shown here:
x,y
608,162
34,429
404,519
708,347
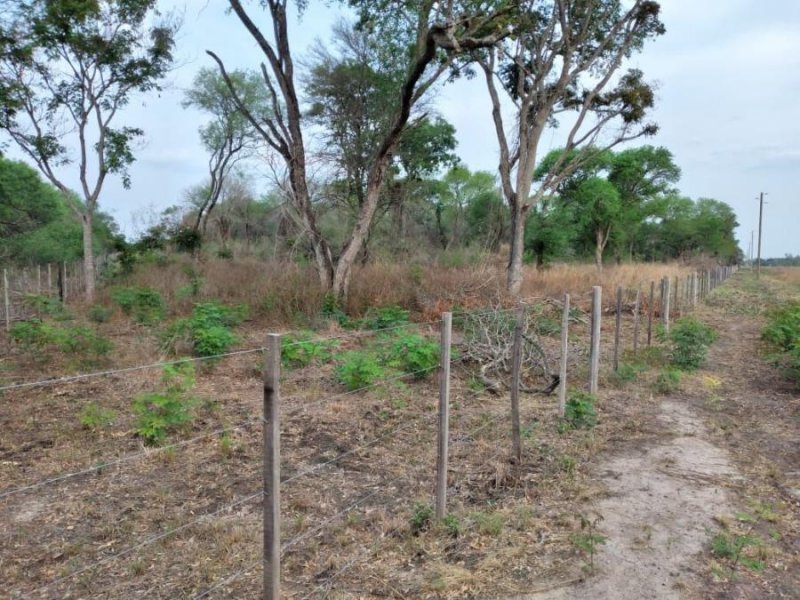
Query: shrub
x,y
143,304
579,411
689,340
625,374
385,317
99,313
47,305
413,354
359,370
300,350
783,332
668,381
159,413
421,517
76,340
93,417
207,331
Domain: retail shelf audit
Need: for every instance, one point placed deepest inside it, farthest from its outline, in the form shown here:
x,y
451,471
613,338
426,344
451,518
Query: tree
x,y
563,57
425,39
229,137
550,230
598,204
67,69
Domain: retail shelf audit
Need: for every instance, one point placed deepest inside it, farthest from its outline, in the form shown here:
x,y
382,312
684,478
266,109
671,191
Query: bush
x,y
99,313
76,340
579,411
783,332
93,417
207,331
159,413
300,350
47,305
626,373
359,370
689,340
413,354
144,305
385,317
668,381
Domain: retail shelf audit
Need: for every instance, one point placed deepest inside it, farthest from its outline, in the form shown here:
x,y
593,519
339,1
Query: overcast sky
x,y
728,75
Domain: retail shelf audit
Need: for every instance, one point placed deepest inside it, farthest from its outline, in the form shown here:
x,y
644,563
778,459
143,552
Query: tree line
x,y
357,151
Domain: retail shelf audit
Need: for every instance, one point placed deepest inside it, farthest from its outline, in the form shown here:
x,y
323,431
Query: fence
x,y
64,281
370,472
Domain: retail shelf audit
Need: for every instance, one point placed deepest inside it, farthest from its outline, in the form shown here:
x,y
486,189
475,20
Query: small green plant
x,y
47,305
626,373
93,417
783,333
489,523
99,313
159,413
384,317
421,517
300,350
413,354
144,305
732,547
207,331
79,341
331,310
452,525
579,411
588,539
359,370
689,340
668,381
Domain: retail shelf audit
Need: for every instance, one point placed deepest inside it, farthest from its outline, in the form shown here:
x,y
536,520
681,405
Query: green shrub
x,y
689,341
783,332
76,340
385,317
421,517
99,313
93,417
413,354
359,370
143,304
668,381
159,413
207,331
579,411
300,350
626,373
47,305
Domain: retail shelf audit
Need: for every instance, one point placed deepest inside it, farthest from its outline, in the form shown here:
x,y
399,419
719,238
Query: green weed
x,y
689,340
668,381
143,305
359,370
421,517
159,413
413,354
579,412
93,417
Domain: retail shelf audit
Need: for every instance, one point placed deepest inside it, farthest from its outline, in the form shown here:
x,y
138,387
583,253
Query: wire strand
x,y
124,459
226,580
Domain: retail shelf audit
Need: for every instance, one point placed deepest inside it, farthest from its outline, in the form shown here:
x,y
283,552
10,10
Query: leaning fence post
x,y
594,356
650,309
444,416
665,308
636,321
272,469
516,366
617,325
562,374
5,300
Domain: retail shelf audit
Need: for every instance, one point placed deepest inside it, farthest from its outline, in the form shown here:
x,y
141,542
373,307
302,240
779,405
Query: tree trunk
x,y
88,256
517,249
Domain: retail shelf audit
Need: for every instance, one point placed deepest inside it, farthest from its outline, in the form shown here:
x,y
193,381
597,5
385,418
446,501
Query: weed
x,y
47,305
452,525
489,523
626,373
300,350
668,381
421,517
731,546
783,332
80,341
384,317
93,417
159,413
413,354
689,340
579,412
359,370
144,305
588,538
207,331
99,313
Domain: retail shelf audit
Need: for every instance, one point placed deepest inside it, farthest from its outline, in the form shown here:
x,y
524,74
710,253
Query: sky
x,y
728,83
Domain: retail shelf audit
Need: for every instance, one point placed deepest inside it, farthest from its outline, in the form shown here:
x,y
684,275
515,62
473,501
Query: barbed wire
x,y
226,580
150,540
125,459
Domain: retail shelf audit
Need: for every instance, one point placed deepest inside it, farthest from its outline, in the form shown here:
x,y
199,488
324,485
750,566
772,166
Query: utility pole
x,y
750,250
760,218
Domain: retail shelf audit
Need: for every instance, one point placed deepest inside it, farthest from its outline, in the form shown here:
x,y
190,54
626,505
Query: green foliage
x,y
358,370
626,373
668,381
207,331
75,340
93,417
489,523
413,354
579,411
689,340
731,547
300,350
452,525
385,317
783,332
99,313
421,517
48,305
144,305
159,413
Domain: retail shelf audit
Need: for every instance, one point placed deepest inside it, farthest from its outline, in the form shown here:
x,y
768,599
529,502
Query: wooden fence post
x,y
444,416
39,279
516,366
665,307
594,356
650,309
272,469
5,300
64,283
617,326
636,320
694,290
49,279
562,374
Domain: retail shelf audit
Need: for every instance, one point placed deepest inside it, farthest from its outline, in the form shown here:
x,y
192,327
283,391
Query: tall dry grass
x,y
283,292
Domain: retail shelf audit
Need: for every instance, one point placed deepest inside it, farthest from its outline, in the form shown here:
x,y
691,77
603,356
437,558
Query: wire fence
x,y
412,430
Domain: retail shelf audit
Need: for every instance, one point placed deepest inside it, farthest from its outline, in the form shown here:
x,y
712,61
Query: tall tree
x,y
67,69
427,38
562,59
229,137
